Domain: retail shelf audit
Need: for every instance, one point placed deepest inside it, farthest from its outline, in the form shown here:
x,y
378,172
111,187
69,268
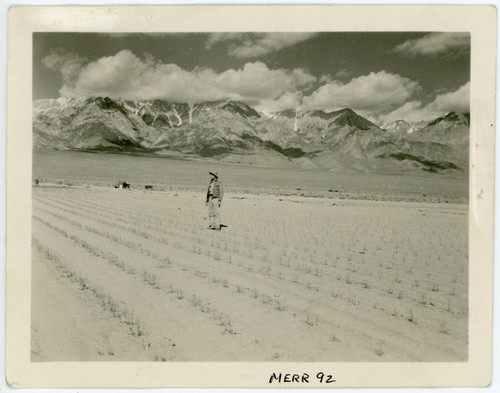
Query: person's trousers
x,y
214,213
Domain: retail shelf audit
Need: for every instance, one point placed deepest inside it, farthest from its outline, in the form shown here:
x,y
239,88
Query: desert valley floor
x,y
135,275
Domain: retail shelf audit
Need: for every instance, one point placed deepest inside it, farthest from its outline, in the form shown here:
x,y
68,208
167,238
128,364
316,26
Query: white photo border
x,y
23,21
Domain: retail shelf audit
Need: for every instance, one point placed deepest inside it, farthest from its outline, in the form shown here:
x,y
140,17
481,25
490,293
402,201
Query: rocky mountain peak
x,y
220,128
290,113
453,117
348,117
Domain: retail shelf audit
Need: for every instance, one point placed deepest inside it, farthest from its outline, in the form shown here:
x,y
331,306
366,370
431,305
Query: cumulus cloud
x,y
126,76
343,73
378,96
413,111
68,64
289,100
410,112
455,101
375,92
257,81
435,43
326,79
215,38
248,45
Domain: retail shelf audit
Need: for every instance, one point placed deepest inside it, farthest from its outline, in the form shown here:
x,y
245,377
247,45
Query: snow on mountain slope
x,y
224,128
401,127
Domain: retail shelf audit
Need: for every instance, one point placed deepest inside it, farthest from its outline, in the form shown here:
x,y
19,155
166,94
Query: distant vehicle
x,y
122,185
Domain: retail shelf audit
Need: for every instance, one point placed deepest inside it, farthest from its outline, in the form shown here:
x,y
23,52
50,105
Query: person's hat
x,y
214,174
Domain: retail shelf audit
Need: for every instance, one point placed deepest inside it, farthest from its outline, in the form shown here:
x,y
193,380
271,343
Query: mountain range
x,y
232,131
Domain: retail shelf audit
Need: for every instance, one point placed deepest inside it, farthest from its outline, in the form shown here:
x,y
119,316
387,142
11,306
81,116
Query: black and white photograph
x,y
251,196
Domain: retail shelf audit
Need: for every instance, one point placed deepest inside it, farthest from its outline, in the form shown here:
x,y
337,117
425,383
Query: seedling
x,y
312,320
411,317
333,338
443,328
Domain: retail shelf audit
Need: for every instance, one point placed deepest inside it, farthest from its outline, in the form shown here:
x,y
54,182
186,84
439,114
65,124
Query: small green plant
x,y
443,328
379,350
333,338
266,299
225,322
366,285
312,320
411,317
279,306
195,301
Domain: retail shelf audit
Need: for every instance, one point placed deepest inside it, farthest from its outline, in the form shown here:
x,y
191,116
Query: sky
x,y
382,76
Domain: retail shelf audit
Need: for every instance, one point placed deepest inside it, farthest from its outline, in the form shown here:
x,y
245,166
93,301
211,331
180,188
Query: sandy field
x,y
179,174
130,275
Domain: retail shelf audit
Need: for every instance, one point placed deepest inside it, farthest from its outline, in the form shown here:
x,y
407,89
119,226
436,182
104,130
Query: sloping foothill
x,y
292,152
233,131
426,165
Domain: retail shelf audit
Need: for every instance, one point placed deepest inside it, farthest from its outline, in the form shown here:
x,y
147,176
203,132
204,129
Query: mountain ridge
x,y
222,128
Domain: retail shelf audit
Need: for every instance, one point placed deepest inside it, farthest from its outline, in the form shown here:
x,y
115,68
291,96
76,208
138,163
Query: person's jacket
x,y
215,190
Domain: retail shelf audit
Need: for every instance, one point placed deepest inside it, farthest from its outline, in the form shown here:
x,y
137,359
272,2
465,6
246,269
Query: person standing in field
x,y
215,194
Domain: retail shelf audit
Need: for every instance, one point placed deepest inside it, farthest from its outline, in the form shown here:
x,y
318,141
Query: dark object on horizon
x,y
217,229
148,187
122,185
